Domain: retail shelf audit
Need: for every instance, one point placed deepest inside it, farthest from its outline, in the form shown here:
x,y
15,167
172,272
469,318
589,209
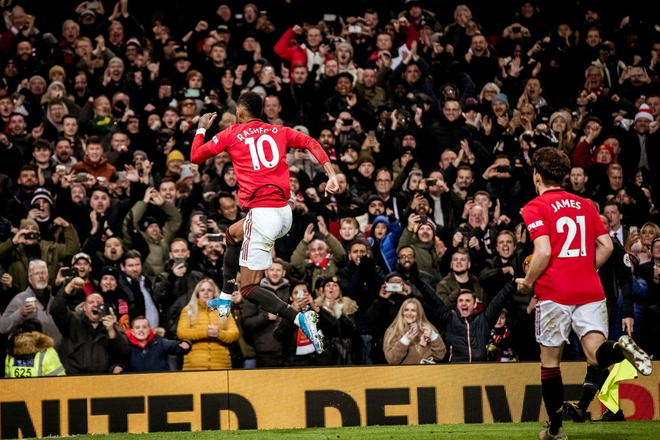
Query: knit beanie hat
x,y
174,155
644,112
501,97
28,222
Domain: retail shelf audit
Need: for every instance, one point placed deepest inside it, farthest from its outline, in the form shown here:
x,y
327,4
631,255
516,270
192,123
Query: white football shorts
x,y
554,321
261,228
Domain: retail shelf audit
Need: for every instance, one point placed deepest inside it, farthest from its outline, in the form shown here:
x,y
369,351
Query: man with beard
x,y
18,135
368,91
464,182
458,280
345,99
21,201
327,140
27,245
33,303
375,206
63,155
409,272
157,238
360,280
174,286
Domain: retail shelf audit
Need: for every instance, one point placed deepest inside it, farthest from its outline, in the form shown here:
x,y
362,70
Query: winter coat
x,y
388,244
153,356
12,318
303,268
342,345
362,284
33,355
406,352
259,331
85,349
467,338
158,249
207,353
51,253
100,169
173,294
425,255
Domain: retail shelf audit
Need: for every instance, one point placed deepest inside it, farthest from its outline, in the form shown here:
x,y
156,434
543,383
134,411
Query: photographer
x,y
32,304
27,245
428,248
91,339
81,266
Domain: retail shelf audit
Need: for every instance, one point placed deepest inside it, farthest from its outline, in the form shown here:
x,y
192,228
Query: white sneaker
x,y
635,355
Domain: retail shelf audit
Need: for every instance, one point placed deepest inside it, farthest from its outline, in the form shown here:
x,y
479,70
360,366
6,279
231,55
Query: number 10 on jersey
x,y
257,151
567,222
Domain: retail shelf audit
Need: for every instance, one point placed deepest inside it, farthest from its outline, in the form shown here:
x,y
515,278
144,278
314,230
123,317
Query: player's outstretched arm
x,y
201,151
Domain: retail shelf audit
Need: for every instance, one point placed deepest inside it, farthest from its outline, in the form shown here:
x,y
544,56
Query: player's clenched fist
x,y
333,186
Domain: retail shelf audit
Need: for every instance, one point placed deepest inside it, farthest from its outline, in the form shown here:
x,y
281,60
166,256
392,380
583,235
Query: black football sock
x,y
230,265
593,381
268,301
552,389
609,353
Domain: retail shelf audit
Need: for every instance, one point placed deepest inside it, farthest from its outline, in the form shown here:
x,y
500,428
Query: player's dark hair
x,y
252,102
552,164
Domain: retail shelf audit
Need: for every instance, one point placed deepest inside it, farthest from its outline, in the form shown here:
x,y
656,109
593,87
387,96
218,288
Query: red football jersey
x,y
258,152
573,224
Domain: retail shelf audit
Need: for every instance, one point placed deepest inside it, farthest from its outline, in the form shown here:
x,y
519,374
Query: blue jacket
x,y
389,243
153,357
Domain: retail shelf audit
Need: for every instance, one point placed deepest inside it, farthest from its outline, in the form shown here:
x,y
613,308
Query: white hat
x,y
302,129
644,112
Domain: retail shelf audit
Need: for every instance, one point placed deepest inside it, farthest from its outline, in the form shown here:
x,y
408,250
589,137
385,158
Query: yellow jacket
x,y
207,353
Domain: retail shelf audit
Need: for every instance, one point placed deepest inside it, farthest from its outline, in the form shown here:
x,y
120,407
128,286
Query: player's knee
x,y
248,289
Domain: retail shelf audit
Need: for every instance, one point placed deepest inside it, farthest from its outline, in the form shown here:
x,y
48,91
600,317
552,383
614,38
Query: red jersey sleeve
x,y
201,151
296,139
536,220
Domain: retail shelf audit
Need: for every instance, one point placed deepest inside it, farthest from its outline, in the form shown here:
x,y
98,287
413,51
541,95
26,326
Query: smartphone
x,y
503,169
329,17
203,219
637,71
354,29
347,121
104,310
300,294
430,182
93,5
121,175
81,177
633,229
394,287
71,272
268,69
179,260
516,29
371,133
215,237
413,326
423,219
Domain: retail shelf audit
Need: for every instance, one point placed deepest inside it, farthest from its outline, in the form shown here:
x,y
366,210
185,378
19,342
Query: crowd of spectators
x,y
111,241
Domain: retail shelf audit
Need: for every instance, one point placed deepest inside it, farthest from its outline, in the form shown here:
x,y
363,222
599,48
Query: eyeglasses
x,y
406,257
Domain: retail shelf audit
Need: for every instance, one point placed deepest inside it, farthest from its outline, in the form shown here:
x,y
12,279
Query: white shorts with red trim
x,y
554,321
261,228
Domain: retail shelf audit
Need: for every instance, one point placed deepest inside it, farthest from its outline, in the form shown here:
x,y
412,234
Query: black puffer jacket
x,y
477,326
85,349
173,294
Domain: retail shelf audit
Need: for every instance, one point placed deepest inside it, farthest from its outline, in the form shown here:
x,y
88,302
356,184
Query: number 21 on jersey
x,y
572,227
257,151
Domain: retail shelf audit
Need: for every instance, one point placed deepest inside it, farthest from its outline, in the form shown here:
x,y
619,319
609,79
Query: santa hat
x,y
644,112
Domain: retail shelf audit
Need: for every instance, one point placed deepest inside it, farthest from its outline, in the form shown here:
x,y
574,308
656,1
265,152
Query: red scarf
x,y
131,337
323,263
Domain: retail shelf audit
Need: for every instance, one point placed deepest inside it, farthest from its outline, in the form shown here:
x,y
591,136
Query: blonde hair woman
x,y
411,338
209,334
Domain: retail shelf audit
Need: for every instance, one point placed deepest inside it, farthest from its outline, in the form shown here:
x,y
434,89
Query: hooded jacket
x,y
425,256
33,355
389,242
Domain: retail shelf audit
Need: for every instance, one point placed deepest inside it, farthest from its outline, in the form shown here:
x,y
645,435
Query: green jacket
x,y
448,289
302,267
425,256
51,253
159,250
